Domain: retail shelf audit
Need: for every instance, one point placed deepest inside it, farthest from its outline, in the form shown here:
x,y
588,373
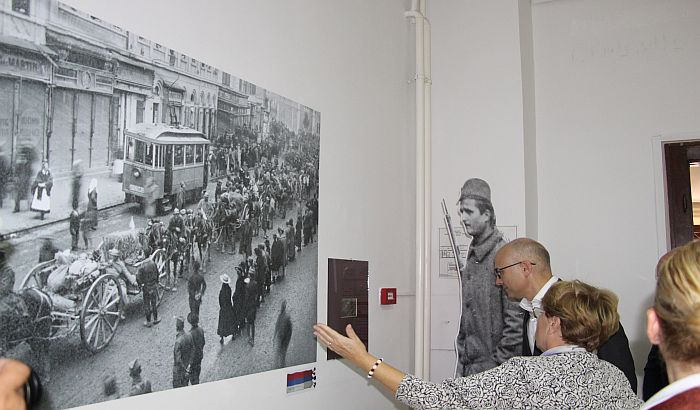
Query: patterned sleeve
x,y
489,389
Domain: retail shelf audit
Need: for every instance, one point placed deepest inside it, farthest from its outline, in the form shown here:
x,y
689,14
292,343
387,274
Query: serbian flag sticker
x,y
298,381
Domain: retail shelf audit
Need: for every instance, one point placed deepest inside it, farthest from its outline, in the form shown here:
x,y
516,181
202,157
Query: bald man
x,y
524,272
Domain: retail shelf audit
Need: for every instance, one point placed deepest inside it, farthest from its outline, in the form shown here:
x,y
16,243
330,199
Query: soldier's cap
x,y
193,318
176,211
114,252
134,367
190,212
183,211
179,320
475,188
225,279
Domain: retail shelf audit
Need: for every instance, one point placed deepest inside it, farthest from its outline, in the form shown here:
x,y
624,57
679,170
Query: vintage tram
x,y
168,156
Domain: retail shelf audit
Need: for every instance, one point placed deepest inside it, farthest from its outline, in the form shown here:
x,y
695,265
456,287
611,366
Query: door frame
x,y
663,235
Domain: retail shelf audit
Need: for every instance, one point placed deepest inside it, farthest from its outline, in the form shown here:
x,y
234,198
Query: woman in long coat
x,y
226,315
41,191
238,303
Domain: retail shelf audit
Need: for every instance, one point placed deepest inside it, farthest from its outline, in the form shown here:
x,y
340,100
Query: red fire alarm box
x,y
388,296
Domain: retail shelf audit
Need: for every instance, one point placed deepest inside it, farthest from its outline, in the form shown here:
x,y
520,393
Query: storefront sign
x,y
24,65
175,95
76,76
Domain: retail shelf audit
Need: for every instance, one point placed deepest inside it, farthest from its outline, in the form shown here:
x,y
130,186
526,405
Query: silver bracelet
x,y
374,367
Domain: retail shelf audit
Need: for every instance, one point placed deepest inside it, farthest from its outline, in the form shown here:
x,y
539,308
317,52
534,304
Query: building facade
x,y
71,84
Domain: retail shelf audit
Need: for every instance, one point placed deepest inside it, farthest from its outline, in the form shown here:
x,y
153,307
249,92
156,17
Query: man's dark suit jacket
x,y
616,351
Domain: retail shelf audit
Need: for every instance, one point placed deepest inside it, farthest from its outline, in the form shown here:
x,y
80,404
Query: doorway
x,y
682,169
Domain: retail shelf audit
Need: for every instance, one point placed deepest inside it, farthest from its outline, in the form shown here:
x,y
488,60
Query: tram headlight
x,y
136,173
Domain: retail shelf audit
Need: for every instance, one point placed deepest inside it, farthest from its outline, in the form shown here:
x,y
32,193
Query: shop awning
x,y
26,45
56,39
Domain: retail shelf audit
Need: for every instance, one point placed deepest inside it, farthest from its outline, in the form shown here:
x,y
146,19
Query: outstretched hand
x,y
13,376
350,347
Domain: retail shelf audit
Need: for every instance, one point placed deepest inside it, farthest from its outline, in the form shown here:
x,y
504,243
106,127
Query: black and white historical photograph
x,y
158,216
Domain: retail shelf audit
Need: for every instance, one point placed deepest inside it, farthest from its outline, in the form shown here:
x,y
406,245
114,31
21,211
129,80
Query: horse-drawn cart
x,y
91,295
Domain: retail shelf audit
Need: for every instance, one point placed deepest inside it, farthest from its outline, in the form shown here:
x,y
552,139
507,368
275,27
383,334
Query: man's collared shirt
x,y
535,303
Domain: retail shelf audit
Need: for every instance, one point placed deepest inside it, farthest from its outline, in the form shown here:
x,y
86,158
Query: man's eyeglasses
x,y
499,271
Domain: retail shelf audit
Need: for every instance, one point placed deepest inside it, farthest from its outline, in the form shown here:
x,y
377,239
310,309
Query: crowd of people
x,y
245,206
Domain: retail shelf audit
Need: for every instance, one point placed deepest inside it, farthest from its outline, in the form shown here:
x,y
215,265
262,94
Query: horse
x,y
201,233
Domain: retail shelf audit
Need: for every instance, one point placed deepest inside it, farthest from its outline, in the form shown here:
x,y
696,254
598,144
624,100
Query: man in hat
x,y
197,336
490,327
277,257
138,384
182,353
176,221
250,308
203,206
74,228
196,286
180,196
147,278
290,234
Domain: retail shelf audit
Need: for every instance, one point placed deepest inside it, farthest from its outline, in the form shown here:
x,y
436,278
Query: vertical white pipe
x,y
427,195
422,312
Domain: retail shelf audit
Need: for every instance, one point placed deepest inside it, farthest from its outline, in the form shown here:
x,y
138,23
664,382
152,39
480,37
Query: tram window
x,y
179,155
139,150
189,154
130,149
199,154
149,154
159,160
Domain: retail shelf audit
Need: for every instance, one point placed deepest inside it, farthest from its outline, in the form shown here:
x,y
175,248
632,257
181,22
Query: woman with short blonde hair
x,y
575,319
673,323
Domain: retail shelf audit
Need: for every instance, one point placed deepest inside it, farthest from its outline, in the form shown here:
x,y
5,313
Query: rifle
x,y
451,235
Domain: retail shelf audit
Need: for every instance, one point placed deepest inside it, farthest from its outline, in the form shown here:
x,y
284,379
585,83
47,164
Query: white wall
x,y
610,75
477,132
351,61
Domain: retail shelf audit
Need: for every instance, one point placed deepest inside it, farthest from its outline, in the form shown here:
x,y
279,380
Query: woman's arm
x,y
354,350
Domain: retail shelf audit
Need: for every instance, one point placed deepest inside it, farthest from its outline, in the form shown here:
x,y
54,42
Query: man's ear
x,y
653,327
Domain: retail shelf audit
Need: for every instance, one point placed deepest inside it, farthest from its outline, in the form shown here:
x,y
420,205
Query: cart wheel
x,y
36,278
99,317
160,260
